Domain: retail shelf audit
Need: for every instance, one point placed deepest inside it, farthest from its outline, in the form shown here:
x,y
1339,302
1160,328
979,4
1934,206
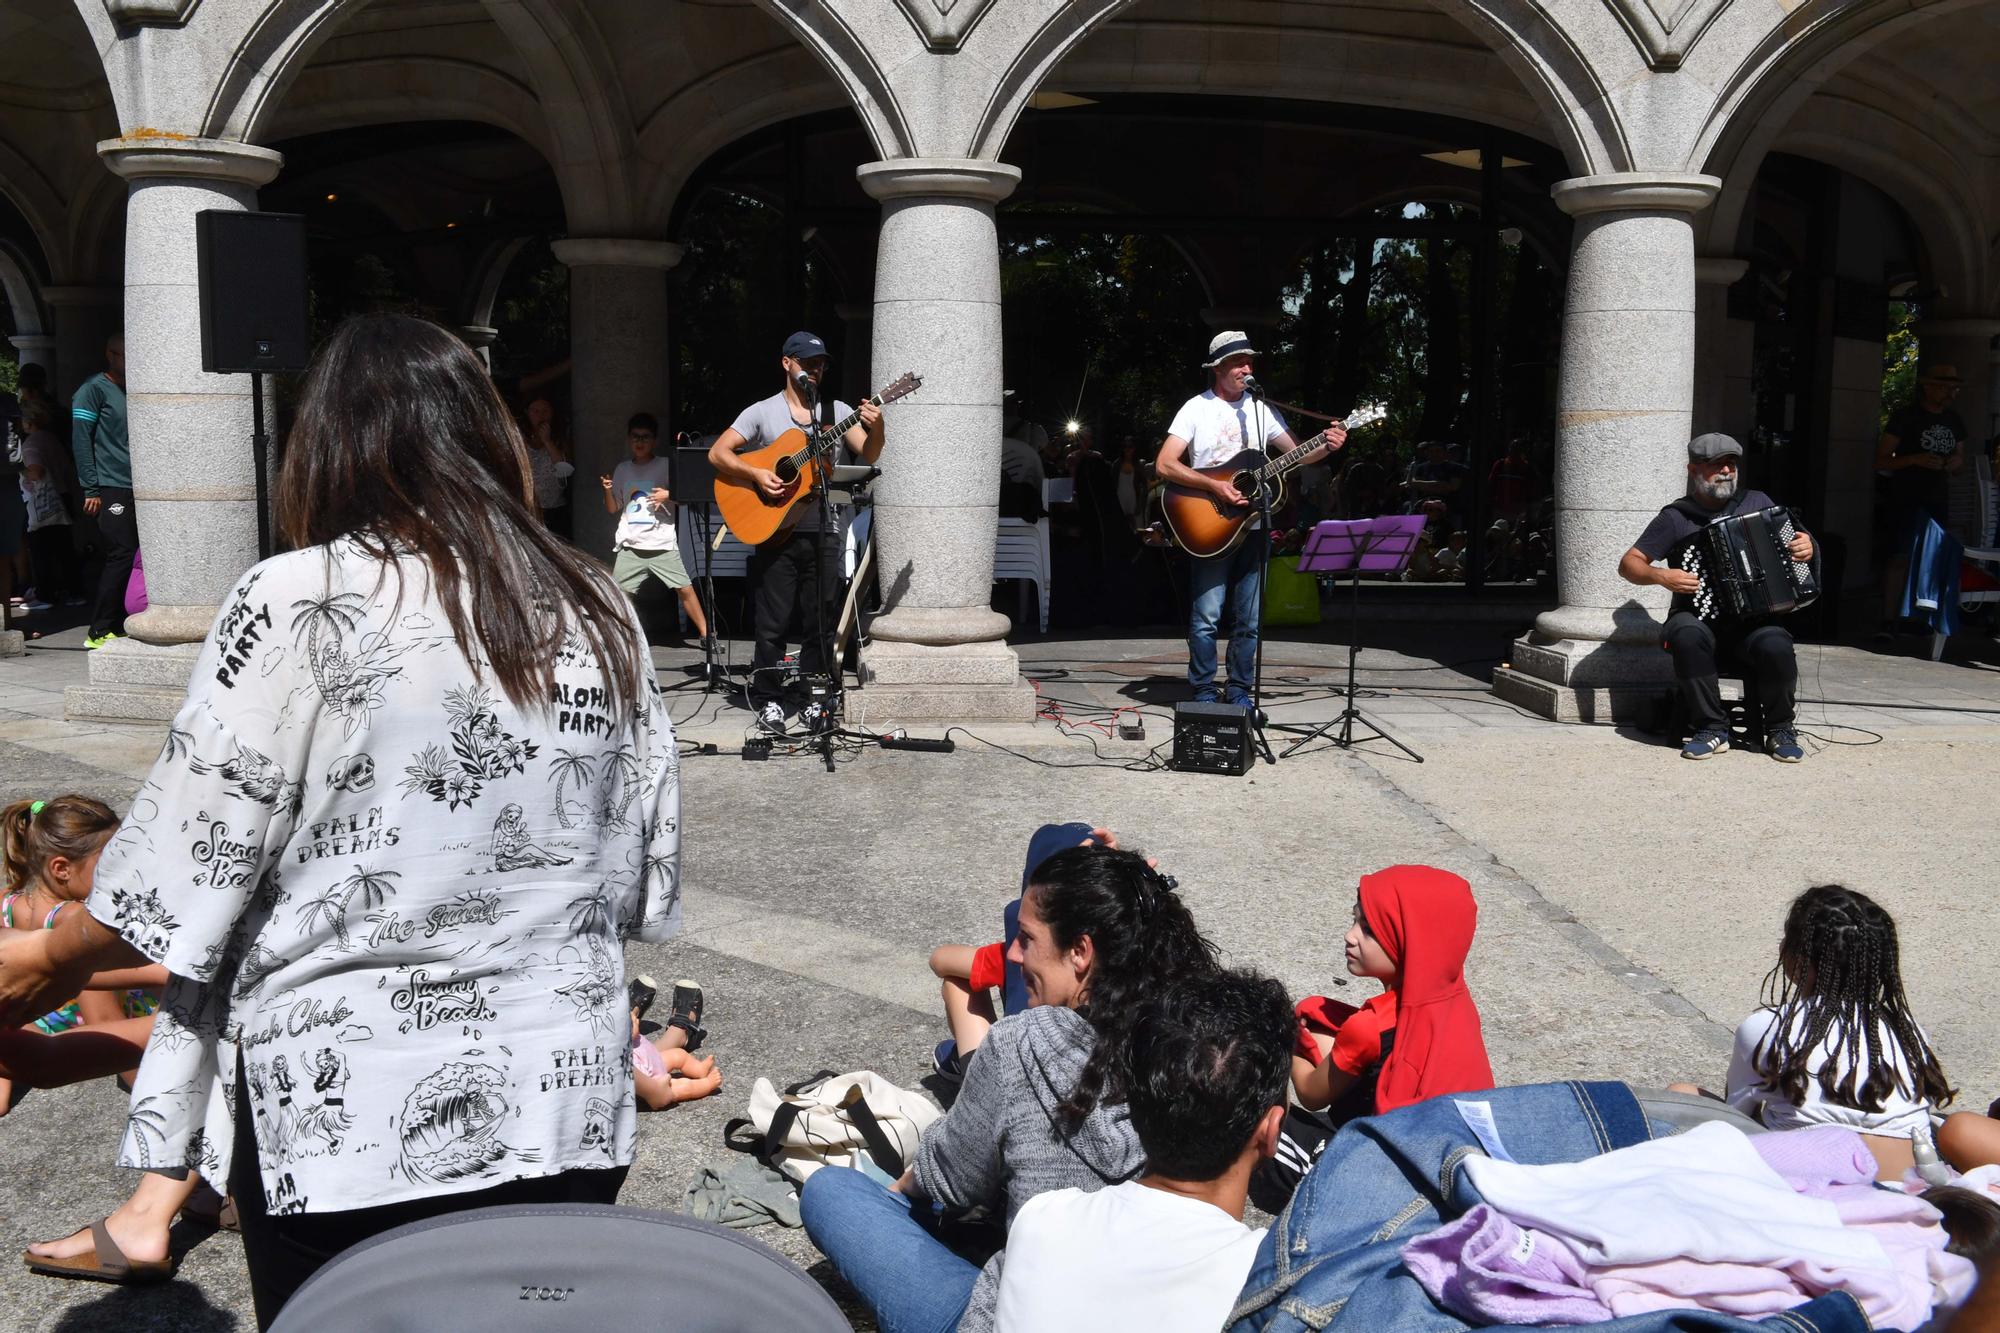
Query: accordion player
x,y
1736,562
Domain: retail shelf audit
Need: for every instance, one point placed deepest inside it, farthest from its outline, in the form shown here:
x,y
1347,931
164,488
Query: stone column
x,y
36,349
939,651
1723,352
618,351
192,473
1623,411
480,337
85,317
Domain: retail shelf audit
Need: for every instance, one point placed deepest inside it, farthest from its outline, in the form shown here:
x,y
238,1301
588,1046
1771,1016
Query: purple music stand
x,y
1355,547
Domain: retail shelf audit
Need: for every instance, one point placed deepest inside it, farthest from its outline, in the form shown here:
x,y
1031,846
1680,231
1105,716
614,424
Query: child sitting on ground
x,y
1419,1038
664,1067
1205,1089
1834,1043
50,850
969,975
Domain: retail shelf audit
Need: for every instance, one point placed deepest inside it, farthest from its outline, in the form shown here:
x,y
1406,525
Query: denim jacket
x,y
1334,1259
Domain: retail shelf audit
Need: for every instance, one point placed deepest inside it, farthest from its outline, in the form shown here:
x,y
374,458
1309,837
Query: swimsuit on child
x,y
136,1003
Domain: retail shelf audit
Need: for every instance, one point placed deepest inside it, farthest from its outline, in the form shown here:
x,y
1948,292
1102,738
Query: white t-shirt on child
x,y
1129,1256
1901,1112
642,527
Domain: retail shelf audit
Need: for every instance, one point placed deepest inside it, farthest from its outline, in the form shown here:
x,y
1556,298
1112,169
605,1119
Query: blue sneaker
x,y
1205,694
1704,744
1783,745
945,1061
1240,698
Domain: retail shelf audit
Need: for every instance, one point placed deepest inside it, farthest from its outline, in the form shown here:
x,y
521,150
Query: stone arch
x,y
40,206
676,151
96,224
344,96
23,292
1755,113
487,276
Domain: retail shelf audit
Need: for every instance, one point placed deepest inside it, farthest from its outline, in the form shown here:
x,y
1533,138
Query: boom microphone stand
x,y
1256,395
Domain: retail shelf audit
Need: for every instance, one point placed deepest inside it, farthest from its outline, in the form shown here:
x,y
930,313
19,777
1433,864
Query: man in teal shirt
x,y
104,470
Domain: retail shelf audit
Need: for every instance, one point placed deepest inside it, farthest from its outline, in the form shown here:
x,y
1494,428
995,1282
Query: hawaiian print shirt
x,y
394,896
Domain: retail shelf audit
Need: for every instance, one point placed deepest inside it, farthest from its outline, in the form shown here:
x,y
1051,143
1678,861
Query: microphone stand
x,y
1256,395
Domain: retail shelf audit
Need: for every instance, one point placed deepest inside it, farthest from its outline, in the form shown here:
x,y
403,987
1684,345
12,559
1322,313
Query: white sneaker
x,y
771,717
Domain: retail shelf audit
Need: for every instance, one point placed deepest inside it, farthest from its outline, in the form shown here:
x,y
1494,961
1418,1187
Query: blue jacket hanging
x,y
1930,593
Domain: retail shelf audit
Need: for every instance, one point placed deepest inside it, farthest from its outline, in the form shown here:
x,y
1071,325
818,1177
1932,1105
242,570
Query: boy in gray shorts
x,y
646,545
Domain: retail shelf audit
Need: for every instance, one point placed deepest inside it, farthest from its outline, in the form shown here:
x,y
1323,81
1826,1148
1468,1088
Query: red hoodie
x,y
1424,918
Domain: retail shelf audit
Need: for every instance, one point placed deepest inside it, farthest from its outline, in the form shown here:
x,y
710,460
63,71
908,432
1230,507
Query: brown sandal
x,y
104,1263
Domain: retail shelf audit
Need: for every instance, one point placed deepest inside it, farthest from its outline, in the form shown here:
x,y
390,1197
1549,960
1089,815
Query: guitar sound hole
x,y
787,470
1246,485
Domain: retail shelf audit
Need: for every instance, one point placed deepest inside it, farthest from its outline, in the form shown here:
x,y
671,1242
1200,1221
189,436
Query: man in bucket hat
x,y
1210,429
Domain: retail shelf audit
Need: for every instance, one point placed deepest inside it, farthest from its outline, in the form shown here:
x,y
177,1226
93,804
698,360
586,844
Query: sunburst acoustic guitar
x,y
797,457
1203,525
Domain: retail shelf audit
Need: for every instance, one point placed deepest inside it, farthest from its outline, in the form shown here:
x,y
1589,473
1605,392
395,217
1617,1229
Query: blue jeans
x,y
1334,1259
1236,575
907,1276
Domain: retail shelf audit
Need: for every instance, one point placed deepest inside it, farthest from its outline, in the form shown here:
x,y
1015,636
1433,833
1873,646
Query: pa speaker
x,y
253,290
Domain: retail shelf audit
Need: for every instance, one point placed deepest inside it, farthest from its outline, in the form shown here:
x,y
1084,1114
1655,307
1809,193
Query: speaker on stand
x,y
253,315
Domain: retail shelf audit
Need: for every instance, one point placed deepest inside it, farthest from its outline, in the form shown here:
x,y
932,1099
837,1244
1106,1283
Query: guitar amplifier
x,y
1212,738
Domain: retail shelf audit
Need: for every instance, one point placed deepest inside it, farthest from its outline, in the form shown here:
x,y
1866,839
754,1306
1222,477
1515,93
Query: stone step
x,y
13,643
122,703
1637,705
878,706
129,663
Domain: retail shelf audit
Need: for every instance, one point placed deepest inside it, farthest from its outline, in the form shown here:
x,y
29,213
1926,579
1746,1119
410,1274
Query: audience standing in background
x,y
103,455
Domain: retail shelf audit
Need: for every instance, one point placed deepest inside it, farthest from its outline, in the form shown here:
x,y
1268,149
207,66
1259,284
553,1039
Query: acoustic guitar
x,y
1203,525
797,457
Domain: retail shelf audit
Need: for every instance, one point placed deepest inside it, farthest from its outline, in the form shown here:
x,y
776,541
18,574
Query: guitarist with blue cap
x,y
784,570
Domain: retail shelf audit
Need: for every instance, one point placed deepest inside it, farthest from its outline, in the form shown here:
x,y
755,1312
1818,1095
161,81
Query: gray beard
x,y
1713,494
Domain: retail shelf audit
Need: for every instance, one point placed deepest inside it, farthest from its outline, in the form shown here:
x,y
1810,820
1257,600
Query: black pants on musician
x,y
1763,653
118,545
283,1252
786,574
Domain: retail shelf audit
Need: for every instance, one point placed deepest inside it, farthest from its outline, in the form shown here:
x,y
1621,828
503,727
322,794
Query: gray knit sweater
x,y
1000,1140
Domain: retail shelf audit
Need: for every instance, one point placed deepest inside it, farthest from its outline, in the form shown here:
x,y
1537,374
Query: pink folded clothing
x,y
1485,1268
1814,1159
646,1059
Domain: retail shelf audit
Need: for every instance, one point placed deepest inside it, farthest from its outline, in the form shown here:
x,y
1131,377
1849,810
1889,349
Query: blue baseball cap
x,y
802,345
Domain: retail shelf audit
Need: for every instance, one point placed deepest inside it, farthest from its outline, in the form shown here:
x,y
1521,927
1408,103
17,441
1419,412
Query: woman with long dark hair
x,y
420,789
1042,1104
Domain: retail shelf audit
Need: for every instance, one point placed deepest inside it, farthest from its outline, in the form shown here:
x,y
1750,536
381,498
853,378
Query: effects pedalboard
x,y
1212,738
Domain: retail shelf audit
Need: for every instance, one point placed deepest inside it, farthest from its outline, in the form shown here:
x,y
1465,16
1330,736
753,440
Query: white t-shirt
x,y
1129,1256
642,527
1900,1112
1216,428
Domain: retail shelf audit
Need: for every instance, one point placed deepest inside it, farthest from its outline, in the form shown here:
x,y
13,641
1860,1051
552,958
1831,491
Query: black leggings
x,y
282,1252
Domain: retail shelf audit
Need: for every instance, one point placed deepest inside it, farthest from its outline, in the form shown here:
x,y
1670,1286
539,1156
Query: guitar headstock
x,y
1367,414
902,386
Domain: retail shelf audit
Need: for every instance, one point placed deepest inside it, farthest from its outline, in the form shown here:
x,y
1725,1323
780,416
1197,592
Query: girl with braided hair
x,y
1835,1042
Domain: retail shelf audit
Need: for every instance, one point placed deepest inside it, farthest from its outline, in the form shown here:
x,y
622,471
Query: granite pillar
x,y
939,651
192,476
1623,417
35,349
480,338
618,351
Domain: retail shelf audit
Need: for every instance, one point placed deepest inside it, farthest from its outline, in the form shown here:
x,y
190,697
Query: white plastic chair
x,y
1987,496
1021,551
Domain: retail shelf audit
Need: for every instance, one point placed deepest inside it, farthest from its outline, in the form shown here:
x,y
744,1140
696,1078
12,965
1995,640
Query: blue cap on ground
x,y
1046,841
802,345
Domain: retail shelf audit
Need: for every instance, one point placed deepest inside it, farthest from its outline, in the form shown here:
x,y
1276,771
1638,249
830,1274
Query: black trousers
x,y
118,540
1762,653
786,576
282,1252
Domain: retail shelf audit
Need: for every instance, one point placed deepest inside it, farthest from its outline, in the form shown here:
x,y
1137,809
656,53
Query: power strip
x,y
945,746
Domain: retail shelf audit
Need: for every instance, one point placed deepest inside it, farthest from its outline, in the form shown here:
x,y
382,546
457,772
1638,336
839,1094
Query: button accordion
x,y
1746,568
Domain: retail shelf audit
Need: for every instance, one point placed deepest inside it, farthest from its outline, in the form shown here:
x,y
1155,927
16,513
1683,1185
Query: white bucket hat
x,y
1228,343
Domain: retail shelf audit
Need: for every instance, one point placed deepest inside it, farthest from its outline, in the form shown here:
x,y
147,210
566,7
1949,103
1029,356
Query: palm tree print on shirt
x,y
349,684
571,770
373,887
481,751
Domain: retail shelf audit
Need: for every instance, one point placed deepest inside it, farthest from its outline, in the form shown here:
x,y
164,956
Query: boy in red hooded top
x,y
1420,1037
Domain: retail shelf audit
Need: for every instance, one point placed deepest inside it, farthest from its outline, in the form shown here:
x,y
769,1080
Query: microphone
x,y
1252,387
807,390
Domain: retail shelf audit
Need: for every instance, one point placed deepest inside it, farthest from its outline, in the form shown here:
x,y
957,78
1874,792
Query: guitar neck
x,y
1284,463
847,423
